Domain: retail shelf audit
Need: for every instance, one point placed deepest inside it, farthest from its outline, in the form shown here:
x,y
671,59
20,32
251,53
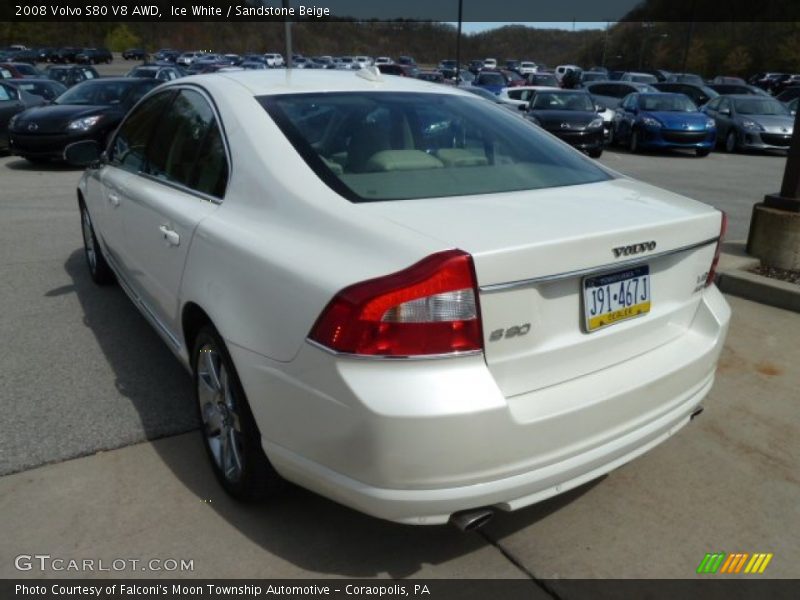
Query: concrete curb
x,y
734,277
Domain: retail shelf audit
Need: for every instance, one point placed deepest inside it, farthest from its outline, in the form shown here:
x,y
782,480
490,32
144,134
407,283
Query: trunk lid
x,y
532,251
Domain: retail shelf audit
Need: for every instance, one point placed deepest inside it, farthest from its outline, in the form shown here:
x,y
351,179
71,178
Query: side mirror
x,y
523,107
725,111
83,154
794,112
599,108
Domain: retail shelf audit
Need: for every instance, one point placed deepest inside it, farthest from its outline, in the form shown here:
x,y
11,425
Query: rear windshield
x,y
371,146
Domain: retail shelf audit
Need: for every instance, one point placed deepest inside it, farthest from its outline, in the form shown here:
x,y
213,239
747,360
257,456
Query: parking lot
x,y
84,374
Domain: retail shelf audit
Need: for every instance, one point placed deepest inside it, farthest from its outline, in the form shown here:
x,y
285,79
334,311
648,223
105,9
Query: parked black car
x,y
475,66
65,55
789,94
158,72
166,55
69,75
45,54
134,54
737,88
89,111
570,115
540,78
47,89
13,101
699,94
686,78
27,56
93,56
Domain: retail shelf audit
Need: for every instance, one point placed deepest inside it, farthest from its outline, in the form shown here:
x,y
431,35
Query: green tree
x,y
121,38
737,62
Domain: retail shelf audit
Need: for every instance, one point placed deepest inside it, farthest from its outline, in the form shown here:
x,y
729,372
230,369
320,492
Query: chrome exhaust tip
x,y
470,520
697,412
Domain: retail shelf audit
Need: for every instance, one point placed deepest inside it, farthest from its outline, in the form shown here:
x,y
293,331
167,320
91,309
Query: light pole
x,y
287,24
774,235
458,41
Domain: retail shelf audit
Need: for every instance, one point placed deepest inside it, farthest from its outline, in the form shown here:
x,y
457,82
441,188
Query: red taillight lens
x,y
429,308
712,272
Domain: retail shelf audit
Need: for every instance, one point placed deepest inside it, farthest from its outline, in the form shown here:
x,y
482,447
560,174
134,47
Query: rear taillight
x,y
429,308
712,272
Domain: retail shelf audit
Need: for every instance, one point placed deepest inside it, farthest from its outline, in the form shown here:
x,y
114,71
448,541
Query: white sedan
x,y
399,295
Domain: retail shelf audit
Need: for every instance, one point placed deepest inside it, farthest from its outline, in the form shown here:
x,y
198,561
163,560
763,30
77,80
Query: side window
x,y
724,103
714,104
604,89
128,148
210,174
188,148
626,103
5,96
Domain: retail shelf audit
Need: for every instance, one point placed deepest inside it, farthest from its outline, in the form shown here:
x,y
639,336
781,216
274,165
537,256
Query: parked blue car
x,y
492,81
659,121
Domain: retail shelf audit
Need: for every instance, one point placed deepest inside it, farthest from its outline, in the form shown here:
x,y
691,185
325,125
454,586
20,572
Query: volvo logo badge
x,y
634,249
32,127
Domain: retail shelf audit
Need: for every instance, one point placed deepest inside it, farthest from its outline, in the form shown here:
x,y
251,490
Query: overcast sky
x,y
476,27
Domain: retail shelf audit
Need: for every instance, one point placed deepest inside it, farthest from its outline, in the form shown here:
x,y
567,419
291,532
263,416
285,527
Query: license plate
x,y
615,297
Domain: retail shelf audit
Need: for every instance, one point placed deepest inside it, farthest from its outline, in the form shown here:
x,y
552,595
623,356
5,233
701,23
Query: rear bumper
x,y
416,441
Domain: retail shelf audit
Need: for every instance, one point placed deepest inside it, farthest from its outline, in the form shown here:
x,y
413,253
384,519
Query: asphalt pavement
x,y
83,375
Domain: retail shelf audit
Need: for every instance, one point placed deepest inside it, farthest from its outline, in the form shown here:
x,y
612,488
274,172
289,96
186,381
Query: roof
x,y
291,81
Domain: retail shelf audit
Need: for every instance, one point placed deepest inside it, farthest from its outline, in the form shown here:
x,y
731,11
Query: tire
x,y
730,142
701,152
597,153
633,142
611,139
229,431
99,270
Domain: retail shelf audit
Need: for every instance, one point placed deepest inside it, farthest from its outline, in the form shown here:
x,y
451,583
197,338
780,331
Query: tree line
x,y
701,47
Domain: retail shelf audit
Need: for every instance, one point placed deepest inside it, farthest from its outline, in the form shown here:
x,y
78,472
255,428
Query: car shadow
x,y
302,528
664,153
22,164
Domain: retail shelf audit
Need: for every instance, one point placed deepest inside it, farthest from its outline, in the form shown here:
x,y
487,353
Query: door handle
x,y
172,237
114,199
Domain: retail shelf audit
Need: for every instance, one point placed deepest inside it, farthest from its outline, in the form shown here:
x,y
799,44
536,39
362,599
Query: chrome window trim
x,y
180,187
523,283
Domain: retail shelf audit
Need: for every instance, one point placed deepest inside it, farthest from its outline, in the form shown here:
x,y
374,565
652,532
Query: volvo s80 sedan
x,y
399,295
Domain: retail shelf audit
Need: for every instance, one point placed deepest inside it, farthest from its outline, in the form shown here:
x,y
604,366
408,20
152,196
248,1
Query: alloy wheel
x,y
219,411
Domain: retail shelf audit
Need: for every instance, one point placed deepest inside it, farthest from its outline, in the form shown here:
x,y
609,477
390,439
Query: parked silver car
x,y
748,122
